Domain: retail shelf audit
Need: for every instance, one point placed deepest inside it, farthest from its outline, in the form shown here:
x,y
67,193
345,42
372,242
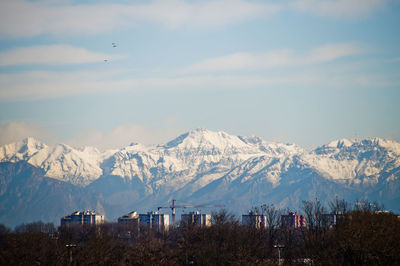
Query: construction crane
x,y
173,207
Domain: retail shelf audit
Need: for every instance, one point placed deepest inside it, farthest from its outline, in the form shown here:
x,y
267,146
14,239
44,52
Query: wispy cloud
x,y
20,18
18,130
277,58
338,8
240,61
177,13
53,85
229,72
118,137
125,134
50,55
331,52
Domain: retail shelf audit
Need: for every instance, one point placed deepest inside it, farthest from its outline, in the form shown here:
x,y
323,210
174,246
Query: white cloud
x,y
177,13
21,18
57,85
120,136
17,130
241,61
24,18
339,8
277,58
51,84
43,84
331,52
50,54
125,134
222,73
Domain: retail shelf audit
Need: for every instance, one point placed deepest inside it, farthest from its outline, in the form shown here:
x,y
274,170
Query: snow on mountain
x,y
21,150
62,162
190,161
340,143
204,145
206,166
356,161
264,168
275,149
199,157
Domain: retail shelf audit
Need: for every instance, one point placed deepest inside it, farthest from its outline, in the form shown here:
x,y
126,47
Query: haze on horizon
x,y
109,73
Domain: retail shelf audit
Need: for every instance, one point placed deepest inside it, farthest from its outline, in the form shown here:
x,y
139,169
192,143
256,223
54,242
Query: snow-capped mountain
x,y
189,154
358,162
205,166
62,162
193,159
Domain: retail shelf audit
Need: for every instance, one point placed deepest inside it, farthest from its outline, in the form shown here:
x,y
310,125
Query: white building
x,y
131,218
83,217
196,218
254,219
155,220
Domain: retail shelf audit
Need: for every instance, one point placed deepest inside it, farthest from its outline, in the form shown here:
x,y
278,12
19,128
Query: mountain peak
x,y
340,143
27,146
21,150
391,145
31,141
381,142
201,137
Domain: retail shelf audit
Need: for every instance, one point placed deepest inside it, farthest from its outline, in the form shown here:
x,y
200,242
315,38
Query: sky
x,y
109,73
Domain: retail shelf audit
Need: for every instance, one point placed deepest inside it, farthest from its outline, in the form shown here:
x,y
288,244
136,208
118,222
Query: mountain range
x,y
200,167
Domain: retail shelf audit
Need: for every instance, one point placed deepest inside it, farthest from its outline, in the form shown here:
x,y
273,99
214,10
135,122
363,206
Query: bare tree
x,y
223,217
339,206
314,212
367,206
272,214
308,208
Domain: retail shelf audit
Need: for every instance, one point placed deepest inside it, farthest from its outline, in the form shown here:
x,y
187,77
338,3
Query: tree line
x,y
364,235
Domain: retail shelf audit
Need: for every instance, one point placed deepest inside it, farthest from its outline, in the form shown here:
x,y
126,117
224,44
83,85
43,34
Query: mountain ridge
x,y
85,165
206,166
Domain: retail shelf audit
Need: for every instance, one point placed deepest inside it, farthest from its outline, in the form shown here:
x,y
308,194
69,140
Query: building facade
x,y
155,220
331,219
83,217
196,218
293,220
254,219
131,218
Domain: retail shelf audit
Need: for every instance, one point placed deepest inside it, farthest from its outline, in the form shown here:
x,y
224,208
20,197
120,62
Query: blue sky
x,y
298,71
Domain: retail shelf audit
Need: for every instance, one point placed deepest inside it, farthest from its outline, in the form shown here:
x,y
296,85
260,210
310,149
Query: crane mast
x,y
173,212
173,207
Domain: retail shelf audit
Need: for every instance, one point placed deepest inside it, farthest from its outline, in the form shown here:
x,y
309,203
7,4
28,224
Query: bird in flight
x,y
114,45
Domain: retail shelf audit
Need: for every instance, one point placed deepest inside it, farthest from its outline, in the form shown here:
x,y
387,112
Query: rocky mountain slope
x,y
27,195
203,166
62,162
